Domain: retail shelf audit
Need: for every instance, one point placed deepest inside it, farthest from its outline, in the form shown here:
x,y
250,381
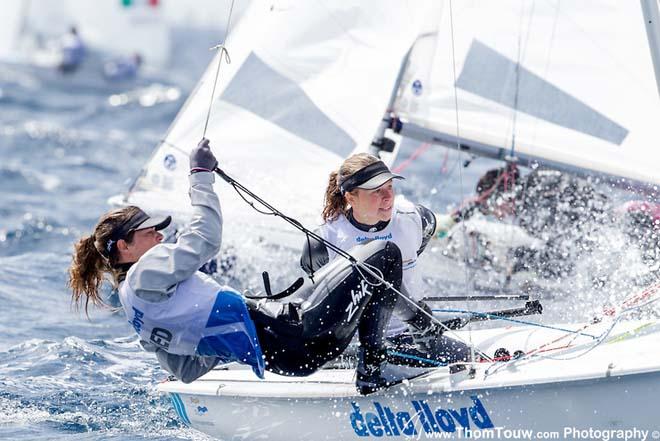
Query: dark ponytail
x,y
94,258
87,272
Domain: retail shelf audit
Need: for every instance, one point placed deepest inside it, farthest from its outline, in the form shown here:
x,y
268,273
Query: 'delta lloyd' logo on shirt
x,y
383,421
361,239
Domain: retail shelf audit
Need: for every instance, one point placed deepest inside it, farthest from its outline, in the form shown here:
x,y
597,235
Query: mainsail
x,y
307,84
540,81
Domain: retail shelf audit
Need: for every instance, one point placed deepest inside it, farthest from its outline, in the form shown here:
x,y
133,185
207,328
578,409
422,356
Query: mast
x,y
380,142
652,21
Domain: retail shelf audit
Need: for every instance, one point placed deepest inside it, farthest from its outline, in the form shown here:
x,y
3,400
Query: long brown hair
x,y
335,202
92,260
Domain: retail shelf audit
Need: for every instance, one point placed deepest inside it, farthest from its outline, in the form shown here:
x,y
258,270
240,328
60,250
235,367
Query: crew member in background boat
x,y
562,210
192,323
123,68
360,206
641,222
72,51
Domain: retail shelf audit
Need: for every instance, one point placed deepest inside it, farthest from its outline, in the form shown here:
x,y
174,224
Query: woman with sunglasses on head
x,y
360,207
192,323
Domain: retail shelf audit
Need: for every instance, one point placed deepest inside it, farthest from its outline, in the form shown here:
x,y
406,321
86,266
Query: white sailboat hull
x,y
611,387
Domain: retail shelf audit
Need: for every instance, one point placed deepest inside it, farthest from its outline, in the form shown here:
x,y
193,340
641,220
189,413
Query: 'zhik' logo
x,y
356,298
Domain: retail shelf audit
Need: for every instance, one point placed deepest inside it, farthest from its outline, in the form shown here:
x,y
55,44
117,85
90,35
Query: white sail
x,y
308,83
548,79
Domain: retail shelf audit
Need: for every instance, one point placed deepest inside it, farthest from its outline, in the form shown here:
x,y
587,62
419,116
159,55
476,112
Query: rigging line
x,y
600,339
380,278
275,212
539,354
516,88
520,56
546,67
415,358
419,151
636,81
448,172
521,51
175,147
222,49
460,170
497,317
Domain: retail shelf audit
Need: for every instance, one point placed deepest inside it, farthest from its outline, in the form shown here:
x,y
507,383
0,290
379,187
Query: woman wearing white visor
x,y
360,206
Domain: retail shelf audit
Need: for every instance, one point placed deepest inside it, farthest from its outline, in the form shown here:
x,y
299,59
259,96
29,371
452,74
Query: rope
x,y
416,358
417,153
546,67
460,170
520,56
507,319
222,49
629,307
380,279
599,340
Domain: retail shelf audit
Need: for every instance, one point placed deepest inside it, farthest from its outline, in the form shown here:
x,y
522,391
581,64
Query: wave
x,y
84,386
32,233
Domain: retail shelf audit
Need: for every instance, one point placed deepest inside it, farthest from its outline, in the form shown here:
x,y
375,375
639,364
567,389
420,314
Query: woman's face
x,y
143,241
372,206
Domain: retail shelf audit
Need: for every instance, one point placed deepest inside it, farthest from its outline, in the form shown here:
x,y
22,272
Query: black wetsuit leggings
x,y
301,333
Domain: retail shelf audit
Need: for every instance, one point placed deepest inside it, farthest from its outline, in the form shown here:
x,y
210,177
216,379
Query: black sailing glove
x,y
202,158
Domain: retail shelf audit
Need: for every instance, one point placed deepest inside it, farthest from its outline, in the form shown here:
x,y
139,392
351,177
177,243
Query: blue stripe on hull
x,y
179,407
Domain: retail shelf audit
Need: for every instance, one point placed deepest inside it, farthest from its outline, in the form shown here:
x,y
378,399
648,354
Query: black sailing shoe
x,y
382,374
369,373
370,380
427,339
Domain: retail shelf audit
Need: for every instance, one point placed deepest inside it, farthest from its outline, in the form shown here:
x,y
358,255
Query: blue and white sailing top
x,y
404,229
410,228
182,314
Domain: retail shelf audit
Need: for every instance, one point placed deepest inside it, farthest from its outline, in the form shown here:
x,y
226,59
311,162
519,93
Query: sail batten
x,y
275,98
486,73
